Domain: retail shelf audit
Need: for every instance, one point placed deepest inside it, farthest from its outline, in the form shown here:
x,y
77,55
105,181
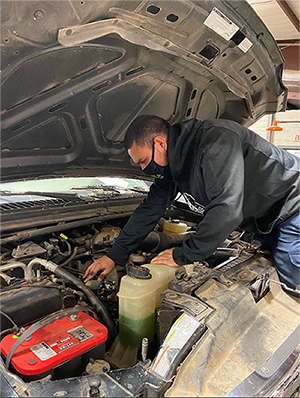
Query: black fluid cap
x,y
138,272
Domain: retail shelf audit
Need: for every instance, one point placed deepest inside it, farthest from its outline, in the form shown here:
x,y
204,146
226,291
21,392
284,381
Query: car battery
x,y
61,349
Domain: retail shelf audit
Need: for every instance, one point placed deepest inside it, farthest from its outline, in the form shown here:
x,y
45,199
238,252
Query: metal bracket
x,y
191,305
188,282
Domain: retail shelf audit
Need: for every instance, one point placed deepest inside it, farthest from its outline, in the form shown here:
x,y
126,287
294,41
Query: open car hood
x,y
75,74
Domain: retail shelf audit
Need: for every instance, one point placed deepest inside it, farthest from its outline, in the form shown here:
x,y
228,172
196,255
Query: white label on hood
x,y
220,24
245,45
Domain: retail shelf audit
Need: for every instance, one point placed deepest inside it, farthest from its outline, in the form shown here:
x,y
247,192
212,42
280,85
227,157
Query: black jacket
x,y
240,178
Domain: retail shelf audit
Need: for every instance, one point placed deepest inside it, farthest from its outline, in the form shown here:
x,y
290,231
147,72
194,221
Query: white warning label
x,y
43,351
245,45
220,24
178,335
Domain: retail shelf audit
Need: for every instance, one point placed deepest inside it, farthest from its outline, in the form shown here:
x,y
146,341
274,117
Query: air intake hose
x,y
156,242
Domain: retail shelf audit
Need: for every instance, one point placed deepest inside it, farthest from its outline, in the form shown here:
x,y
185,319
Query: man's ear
x,y
161,141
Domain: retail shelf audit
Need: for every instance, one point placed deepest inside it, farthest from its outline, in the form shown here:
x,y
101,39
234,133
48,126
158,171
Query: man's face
x,y
142,155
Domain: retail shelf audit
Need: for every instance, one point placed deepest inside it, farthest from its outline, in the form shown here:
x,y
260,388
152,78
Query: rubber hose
x,y
100,309
159,241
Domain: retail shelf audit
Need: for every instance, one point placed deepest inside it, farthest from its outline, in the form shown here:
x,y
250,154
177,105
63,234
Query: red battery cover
x,y
55,343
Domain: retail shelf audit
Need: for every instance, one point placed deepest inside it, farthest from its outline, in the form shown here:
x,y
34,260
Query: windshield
x,y
80,185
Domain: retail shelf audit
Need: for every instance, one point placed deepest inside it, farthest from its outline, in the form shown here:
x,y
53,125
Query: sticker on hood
x,y
220,24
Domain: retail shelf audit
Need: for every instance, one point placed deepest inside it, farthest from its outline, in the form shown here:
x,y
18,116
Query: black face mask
x,y
155,170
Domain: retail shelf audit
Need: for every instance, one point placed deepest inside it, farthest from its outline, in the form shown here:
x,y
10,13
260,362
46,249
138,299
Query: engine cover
x,y
62,348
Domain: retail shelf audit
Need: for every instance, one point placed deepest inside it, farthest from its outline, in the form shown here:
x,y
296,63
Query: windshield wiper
x,y
96,188
107,189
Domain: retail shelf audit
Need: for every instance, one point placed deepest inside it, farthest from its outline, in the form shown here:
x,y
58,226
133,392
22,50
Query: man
x,y
236,177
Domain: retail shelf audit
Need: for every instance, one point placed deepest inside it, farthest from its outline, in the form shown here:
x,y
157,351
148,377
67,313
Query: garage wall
x,y
289,137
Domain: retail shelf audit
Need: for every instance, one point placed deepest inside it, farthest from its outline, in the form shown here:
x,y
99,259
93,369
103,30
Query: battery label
x,y
220,24
43,351
180,332
81,334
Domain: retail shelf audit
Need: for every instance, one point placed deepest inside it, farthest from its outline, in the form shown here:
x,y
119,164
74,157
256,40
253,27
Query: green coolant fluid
x,y
132,331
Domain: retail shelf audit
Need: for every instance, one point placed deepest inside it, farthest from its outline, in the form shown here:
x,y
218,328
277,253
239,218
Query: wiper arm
x,y
104,188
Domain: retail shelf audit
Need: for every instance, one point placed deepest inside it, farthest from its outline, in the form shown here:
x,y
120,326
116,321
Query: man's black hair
x,y
144,129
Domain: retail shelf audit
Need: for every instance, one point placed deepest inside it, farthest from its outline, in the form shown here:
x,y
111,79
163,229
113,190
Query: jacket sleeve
x,y
142,221
222,168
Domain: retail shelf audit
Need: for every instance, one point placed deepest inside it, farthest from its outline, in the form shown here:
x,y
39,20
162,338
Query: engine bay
x,y
55,328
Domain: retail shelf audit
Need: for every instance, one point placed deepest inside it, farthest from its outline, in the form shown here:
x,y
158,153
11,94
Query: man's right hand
x,y
104,264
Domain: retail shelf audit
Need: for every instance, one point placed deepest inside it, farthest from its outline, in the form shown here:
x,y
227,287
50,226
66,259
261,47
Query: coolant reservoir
x,y
139,298
163,274
174,227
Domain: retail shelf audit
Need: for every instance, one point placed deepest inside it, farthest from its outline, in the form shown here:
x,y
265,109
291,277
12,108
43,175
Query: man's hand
x,y
165,257
104,264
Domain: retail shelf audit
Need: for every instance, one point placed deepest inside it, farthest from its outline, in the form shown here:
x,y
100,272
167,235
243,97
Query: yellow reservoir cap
x,y
174,227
